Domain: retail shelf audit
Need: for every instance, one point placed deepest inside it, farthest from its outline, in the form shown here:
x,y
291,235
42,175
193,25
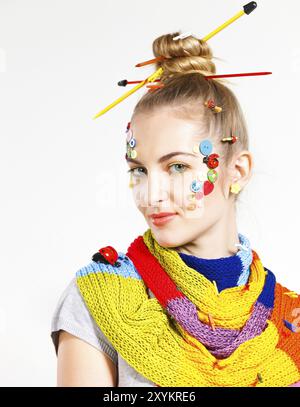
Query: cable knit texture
x,y
212,322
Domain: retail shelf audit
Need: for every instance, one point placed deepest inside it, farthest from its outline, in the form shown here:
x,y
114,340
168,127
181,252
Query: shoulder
x,y
123,266
72,315
68,296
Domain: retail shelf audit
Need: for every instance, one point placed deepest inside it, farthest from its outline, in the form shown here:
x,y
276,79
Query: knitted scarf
x,y
194,332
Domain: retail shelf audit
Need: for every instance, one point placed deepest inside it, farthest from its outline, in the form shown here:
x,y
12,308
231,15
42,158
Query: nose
x,y
158,188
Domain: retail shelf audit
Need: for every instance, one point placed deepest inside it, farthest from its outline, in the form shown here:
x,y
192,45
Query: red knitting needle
x,y
233,75
125,82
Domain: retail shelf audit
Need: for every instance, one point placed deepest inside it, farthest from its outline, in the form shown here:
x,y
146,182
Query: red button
x,y
208,187
212,161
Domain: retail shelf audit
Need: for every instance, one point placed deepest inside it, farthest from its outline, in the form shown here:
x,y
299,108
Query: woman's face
x,y
162,180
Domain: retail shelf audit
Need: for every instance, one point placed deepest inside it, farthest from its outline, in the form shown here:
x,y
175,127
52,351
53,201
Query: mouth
x,y
162,218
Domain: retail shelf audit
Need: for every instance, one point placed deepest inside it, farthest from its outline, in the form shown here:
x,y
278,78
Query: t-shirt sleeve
x,y
72,315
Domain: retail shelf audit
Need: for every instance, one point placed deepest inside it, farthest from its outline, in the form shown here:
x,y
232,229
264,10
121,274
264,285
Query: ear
x,y
241,168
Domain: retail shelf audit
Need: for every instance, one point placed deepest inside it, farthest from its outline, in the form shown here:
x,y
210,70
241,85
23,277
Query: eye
x,y
179,168
135,171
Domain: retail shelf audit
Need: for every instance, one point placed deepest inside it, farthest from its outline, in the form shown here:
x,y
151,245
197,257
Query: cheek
x,y
188,188
139,193
177,189
181,188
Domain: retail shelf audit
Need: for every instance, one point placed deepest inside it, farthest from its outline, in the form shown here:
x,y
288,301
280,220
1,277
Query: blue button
x,y
196,185
205,147
132,142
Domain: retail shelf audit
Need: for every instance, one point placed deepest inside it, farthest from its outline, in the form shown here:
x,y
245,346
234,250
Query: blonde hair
x,y
185,90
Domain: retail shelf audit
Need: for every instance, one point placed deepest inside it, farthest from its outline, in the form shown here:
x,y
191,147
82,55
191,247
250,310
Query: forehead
x,y
162,128
163,136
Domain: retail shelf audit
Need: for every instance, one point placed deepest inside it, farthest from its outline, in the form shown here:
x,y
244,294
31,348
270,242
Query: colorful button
x,y
235,188
192,197
191,206
196,185
199,195
133,154
212,175
208,187
132,142
196,148
210,104
205,147
212,161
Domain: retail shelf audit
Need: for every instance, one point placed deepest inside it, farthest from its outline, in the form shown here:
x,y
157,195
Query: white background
x,y
64,190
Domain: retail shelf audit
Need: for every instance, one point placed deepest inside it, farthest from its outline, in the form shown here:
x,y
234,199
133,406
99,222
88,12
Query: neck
x,y
217,241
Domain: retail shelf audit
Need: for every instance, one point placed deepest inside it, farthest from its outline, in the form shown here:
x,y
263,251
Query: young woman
x,y
190,303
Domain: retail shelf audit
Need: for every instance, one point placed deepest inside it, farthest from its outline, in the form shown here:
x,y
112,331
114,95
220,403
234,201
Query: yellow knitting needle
x,y
226,24
151,78
247,9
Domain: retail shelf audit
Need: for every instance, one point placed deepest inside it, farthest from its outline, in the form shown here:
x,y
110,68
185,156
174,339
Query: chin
x,y
165,238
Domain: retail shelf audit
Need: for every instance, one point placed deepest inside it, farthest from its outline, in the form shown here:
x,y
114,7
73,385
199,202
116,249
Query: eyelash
x,y
183,165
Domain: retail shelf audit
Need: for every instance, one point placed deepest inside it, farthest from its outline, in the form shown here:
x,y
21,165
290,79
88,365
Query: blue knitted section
x,y
126,269
267,296
225,271
246,258
290,326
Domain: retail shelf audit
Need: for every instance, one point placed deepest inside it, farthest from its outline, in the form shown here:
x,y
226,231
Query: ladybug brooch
x,y
107,255
211,160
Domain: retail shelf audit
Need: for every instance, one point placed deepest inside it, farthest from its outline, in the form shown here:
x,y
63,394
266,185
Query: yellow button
x,y
133,154
196,148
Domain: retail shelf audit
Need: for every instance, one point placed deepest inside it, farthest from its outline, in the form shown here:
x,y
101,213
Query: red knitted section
x,y
152,273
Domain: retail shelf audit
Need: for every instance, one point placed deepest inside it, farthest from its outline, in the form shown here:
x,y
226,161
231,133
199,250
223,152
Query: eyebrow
x,y
163,158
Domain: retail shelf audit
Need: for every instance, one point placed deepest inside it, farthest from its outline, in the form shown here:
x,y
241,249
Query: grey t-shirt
x,y
72,315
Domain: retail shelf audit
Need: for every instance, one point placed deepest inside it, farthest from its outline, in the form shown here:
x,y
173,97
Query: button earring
x,y
235,188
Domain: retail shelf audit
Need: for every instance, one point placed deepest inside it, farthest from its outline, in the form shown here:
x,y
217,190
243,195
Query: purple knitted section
x,y
253,327
221,342
185,312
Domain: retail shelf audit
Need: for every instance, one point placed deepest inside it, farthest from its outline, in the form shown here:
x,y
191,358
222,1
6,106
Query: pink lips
x,y
162,218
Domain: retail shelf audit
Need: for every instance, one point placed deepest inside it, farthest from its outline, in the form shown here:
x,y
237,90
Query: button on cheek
x,y
208,187
205,147
132,142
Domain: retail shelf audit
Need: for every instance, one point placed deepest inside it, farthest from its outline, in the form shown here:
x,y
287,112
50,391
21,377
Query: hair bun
x,y
183,56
